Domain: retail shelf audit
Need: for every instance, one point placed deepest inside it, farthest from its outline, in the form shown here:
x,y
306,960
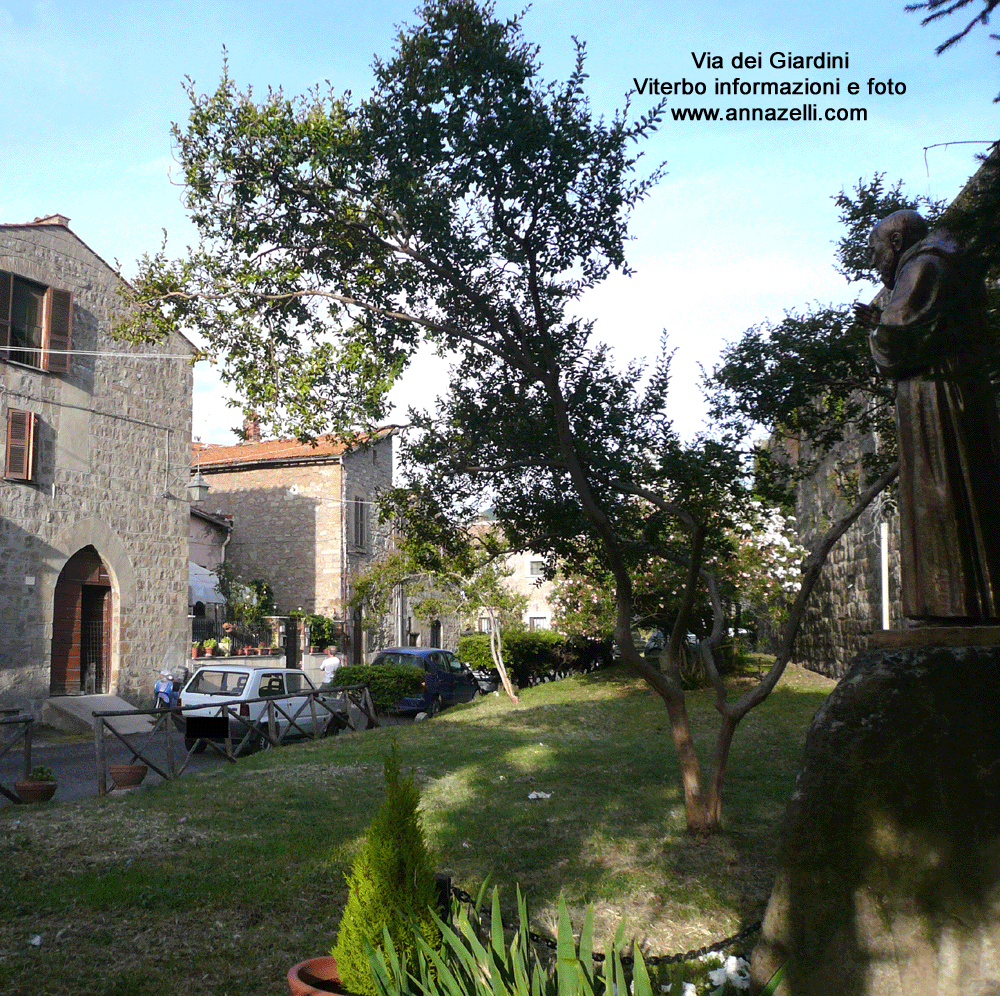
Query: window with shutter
x,y
33,320
20,459
60,330
359,515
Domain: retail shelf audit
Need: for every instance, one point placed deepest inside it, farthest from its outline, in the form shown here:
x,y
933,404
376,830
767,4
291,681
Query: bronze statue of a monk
x,y
932,340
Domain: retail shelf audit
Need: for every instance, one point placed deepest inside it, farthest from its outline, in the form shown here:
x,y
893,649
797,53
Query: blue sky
x,y
741,227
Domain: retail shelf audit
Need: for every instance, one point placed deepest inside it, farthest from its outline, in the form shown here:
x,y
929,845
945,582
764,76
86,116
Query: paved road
x,y
73,762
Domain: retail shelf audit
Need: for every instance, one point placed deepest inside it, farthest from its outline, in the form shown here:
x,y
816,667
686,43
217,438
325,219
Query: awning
x,y
202,586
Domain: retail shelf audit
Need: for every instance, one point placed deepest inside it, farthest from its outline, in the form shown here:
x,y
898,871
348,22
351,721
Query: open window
x,y
36,323
19,462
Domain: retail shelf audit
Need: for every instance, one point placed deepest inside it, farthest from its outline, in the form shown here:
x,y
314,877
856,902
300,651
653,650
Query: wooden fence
x,y
21,727
324,711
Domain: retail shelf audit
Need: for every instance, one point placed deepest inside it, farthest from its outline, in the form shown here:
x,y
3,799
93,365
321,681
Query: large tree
x,y
467,204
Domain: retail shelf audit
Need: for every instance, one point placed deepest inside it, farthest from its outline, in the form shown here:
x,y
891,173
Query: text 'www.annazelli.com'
x,y
803,112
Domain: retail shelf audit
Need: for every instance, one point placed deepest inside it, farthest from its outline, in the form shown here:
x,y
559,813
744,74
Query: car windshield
x,y
207,682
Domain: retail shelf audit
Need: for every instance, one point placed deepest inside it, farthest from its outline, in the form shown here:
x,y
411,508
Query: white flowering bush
x,y
767,568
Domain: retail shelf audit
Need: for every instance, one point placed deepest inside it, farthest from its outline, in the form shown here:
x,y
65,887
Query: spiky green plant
x,y
471,962
391,886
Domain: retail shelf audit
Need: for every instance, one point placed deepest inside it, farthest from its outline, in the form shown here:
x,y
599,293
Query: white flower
x,y
734,970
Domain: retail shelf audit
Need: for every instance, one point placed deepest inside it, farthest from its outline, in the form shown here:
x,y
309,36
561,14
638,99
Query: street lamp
x,y
198,487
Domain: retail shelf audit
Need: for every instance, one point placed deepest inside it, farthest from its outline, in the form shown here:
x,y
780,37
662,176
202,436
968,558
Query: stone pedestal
x,y
890,866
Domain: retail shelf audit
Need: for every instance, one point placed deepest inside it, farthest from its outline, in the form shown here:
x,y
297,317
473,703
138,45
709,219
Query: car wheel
x,y
435,707
198,745
333,727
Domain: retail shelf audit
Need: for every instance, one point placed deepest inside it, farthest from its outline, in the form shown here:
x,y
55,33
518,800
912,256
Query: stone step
x,y
74,714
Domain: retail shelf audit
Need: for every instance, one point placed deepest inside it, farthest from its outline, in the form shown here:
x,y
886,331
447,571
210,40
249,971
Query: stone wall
x,y
113,436
846,604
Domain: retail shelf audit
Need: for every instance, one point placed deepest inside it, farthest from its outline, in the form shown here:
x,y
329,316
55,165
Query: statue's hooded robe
x,y
933,342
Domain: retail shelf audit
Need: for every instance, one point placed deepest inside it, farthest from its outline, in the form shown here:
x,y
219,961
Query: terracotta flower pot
x,y
127,775
30,790
315,976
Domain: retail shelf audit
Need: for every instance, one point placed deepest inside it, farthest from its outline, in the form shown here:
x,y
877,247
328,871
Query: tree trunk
x,y
496,652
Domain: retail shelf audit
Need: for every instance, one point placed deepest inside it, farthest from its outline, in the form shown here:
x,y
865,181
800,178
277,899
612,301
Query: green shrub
x,y
391,888
322,631
474,649
388,683
535,656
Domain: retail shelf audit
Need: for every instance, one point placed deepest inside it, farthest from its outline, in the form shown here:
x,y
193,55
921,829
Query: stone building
x,y
93,522
858,589
303,519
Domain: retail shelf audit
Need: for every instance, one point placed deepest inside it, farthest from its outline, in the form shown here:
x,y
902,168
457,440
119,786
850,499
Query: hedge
x,y
388,683
536,656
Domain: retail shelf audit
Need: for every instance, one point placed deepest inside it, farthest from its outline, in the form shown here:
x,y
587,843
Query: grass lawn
x,y
216,884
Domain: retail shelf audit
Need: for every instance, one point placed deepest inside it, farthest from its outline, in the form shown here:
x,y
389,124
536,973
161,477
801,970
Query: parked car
x,y
447,680
488,678
227,693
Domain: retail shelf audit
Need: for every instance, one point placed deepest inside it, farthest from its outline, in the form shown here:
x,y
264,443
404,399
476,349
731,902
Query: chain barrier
x,y
463,897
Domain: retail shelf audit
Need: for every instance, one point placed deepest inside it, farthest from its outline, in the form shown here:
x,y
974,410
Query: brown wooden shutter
x,y
60,330
20,462
6,297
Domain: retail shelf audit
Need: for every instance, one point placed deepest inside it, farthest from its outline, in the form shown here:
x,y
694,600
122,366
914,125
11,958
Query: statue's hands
x,y
867,315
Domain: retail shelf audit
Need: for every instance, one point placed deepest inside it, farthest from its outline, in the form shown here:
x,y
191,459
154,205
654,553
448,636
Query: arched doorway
x,y
81,627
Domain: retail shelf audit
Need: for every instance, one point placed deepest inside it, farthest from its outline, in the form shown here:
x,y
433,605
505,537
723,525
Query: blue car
x,y
446,679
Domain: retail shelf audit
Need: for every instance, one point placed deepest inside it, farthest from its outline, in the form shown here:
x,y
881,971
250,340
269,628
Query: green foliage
x,y
392,890
39,773
475,961
474,649
247,602
322,630
534,656
388,683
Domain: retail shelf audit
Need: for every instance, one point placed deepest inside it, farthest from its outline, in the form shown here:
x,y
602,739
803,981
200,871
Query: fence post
x,y
315,718
102,772
271,722
168,723
27,747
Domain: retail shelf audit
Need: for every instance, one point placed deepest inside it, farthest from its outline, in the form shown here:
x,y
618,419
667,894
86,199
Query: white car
x,y
253,704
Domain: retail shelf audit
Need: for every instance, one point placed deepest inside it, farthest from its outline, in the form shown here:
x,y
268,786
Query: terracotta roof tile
x,y
210,456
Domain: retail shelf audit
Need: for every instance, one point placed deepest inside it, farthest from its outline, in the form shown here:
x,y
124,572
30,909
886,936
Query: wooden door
x,y
81,626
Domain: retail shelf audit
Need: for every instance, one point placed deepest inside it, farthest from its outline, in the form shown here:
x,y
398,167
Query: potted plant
x,y
391,888
225,646
39,786
194,650
211,647
127,775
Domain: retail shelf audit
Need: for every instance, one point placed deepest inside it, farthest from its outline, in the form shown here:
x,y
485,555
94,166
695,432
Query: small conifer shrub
x,y
391,885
